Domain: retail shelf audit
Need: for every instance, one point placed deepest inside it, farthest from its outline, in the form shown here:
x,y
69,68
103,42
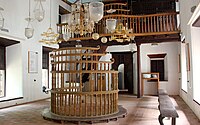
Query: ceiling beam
x,y
138,40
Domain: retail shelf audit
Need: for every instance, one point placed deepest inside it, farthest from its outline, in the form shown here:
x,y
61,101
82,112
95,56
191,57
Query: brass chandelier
x,y
50,37
120,33
83,18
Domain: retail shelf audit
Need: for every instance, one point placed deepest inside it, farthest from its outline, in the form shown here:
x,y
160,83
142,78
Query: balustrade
x,y
141,25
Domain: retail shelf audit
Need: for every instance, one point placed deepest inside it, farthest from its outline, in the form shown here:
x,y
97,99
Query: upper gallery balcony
x,y
147,27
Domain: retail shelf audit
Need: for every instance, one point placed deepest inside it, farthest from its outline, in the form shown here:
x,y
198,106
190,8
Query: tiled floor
x,y
141,111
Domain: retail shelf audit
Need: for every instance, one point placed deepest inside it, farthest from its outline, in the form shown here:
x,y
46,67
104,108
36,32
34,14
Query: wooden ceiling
x,y
63,11
67,1
138,40
7,42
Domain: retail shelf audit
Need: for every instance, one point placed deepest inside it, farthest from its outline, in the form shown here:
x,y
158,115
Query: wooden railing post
x,y
138,71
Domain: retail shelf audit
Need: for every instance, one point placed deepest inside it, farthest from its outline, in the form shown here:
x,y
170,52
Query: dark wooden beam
x,y
138,39
157,55
7,42
67,2
158,38
138,71
90,43
63,11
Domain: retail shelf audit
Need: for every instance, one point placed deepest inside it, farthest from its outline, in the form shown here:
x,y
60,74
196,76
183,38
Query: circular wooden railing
x,y
83,86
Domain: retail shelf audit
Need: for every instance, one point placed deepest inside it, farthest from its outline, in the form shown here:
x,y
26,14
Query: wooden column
x,y
138,71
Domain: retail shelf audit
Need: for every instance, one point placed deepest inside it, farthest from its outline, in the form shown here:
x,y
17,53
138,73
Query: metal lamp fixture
x,y
1,18
39,12
29,31
120,33
83,17
50,37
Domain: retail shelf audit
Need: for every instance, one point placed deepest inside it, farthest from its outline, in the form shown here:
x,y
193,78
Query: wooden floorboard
x,y
141,111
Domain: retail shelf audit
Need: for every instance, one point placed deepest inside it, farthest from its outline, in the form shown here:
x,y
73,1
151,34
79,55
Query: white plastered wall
x,y
20,83
192,37
172,83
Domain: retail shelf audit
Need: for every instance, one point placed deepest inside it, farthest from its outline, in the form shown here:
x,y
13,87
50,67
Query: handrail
x,y
123,4
140,16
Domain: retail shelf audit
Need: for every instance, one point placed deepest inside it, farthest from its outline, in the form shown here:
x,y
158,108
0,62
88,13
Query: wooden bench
x,y
166,107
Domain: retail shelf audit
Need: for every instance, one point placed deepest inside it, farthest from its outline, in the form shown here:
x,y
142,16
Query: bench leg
x,y
173,121
160,118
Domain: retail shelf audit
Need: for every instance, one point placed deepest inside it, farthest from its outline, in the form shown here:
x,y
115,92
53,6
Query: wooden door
x,y
125,58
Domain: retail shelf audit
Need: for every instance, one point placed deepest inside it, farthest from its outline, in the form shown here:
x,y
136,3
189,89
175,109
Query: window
x,y
2,71
184,71
158,64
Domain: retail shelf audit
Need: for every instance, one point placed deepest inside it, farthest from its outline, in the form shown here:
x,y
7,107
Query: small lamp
x,y
95,36
96,11
104,39
111,25
29,29
39,11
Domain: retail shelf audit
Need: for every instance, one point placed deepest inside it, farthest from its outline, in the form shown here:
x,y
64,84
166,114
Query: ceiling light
x,y
29,31
111,25
39,12
50,37
83,18
104,39
95,36
121,33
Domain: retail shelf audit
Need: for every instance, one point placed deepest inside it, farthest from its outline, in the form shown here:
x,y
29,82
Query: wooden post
x,y
173,121
138,71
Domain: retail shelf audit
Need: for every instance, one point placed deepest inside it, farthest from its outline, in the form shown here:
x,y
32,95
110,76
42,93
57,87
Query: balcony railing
x,y
141,25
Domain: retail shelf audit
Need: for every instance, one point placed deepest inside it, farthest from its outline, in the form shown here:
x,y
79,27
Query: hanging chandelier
x,y
39,12
83,17
50,37
119,32
29,31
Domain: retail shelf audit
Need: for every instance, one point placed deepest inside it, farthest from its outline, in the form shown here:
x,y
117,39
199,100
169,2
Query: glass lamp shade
x,y
66,36
111,24
1,23
96,11
39,14
104,39
95,36
29,32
